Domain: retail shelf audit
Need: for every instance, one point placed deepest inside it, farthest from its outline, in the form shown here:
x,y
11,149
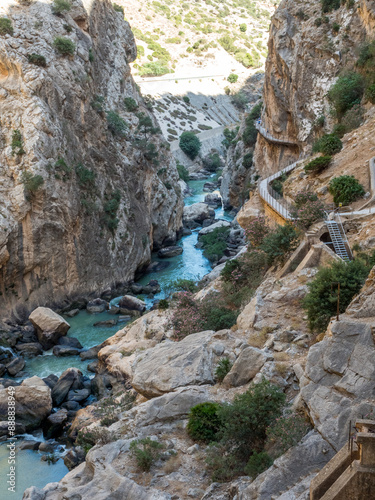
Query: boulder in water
x,y
97,306
71,379
65,350
15,366
72,313
168,252
213,199
30,349
131,303
49,325
195,214
108,322
55,423
70,342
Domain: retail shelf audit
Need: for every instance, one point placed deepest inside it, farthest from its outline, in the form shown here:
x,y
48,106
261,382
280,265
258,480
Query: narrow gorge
x,y
187,250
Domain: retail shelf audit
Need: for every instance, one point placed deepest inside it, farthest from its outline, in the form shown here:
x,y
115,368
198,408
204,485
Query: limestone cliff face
x,y
303,62
62,239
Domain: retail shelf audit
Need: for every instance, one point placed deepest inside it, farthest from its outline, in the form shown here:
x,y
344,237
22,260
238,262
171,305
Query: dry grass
x,y
258,339
281,356
173,464
282,368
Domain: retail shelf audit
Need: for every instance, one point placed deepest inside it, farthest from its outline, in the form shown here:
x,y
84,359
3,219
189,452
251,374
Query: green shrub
x,y
336,27
183,172
223,368
318,164
145,126
89,438
110,208
204,423
116,124
278,184
155,68
244,422
345,189
250,133
140,51
118,8
163,304
146,452
279,243
258,463
308,209
31,183
184,285
37,59
186,99
86,177
247,160
286,432
230,135
340,130
215,243
243,27
6,27
328,5
190,144
328,144
67,28
98,103
17,143
62,170
240,100
232,78
370,93
321,300
366,55
346,92
318,21
60,6
301,15
130,104
63,45
109,408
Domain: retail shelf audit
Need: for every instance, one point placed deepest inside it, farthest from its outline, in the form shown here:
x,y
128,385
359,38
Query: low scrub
x,y
317,165
346,92
60,6
37,59
279,243
215,243
321,300
328,145
88,438
130,104
307,210
64,45
116,124
146,452
204,423
31,183
345,189
6,27
223,368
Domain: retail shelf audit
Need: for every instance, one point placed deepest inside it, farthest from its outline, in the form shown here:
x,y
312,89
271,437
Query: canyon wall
x,y
106,200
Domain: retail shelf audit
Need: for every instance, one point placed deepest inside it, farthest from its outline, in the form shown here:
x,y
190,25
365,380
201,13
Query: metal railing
x,y
270,138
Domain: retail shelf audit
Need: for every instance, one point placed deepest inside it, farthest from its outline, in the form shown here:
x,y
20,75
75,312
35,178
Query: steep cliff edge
x,y
106,197
307,50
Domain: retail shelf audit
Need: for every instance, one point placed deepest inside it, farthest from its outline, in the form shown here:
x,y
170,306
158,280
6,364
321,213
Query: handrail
x,y
270,138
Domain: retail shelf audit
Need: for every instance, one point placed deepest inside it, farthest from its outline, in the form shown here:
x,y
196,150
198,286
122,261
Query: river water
x,y
191,264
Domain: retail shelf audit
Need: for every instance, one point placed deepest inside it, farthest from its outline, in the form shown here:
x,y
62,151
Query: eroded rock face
x,y
339,378
53,244
33,403
170,365
95,478
246,366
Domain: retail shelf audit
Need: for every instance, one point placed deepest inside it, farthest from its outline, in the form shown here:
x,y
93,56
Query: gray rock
x,y
74,457
30,349
29,444
55,423
72,313
4,431
310,455
49,326
6,354
97,306
246,366
70,341
136,288
62,350
170,252
93,366
15,366
71,379
213,199
212,227
2,370
51,380
90,353
131,303
195,213
78,395
169,365
108,322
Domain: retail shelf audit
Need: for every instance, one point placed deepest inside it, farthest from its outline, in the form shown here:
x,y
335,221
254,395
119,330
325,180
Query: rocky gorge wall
x,y
303,62
98,214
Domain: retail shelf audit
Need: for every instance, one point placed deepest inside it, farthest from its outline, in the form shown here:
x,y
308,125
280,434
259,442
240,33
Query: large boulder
x,y
55,423
65,350
33,403
213,199
195,214
170,365
339,379
97,306
72,378
49,325
15,366
132,303
167,252
212,227
246,366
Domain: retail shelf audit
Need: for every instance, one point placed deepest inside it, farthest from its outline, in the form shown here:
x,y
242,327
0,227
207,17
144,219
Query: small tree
x,y
243,27
321,301
318,164
345,189
328,144
60,6
279,243
146,452
64,45
204,423
6,27
116,124
232,78
190,144
307,210
346,92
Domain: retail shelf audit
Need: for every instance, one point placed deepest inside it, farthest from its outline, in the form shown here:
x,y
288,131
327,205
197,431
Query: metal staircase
x,y
338,237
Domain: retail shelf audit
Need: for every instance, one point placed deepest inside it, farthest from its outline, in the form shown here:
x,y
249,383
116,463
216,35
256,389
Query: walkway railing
x,y
263,132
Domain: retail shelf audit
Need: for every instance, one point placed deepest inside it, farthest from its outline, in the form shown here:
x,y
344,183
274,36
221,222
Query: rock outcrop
x,y
81,204
50,327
